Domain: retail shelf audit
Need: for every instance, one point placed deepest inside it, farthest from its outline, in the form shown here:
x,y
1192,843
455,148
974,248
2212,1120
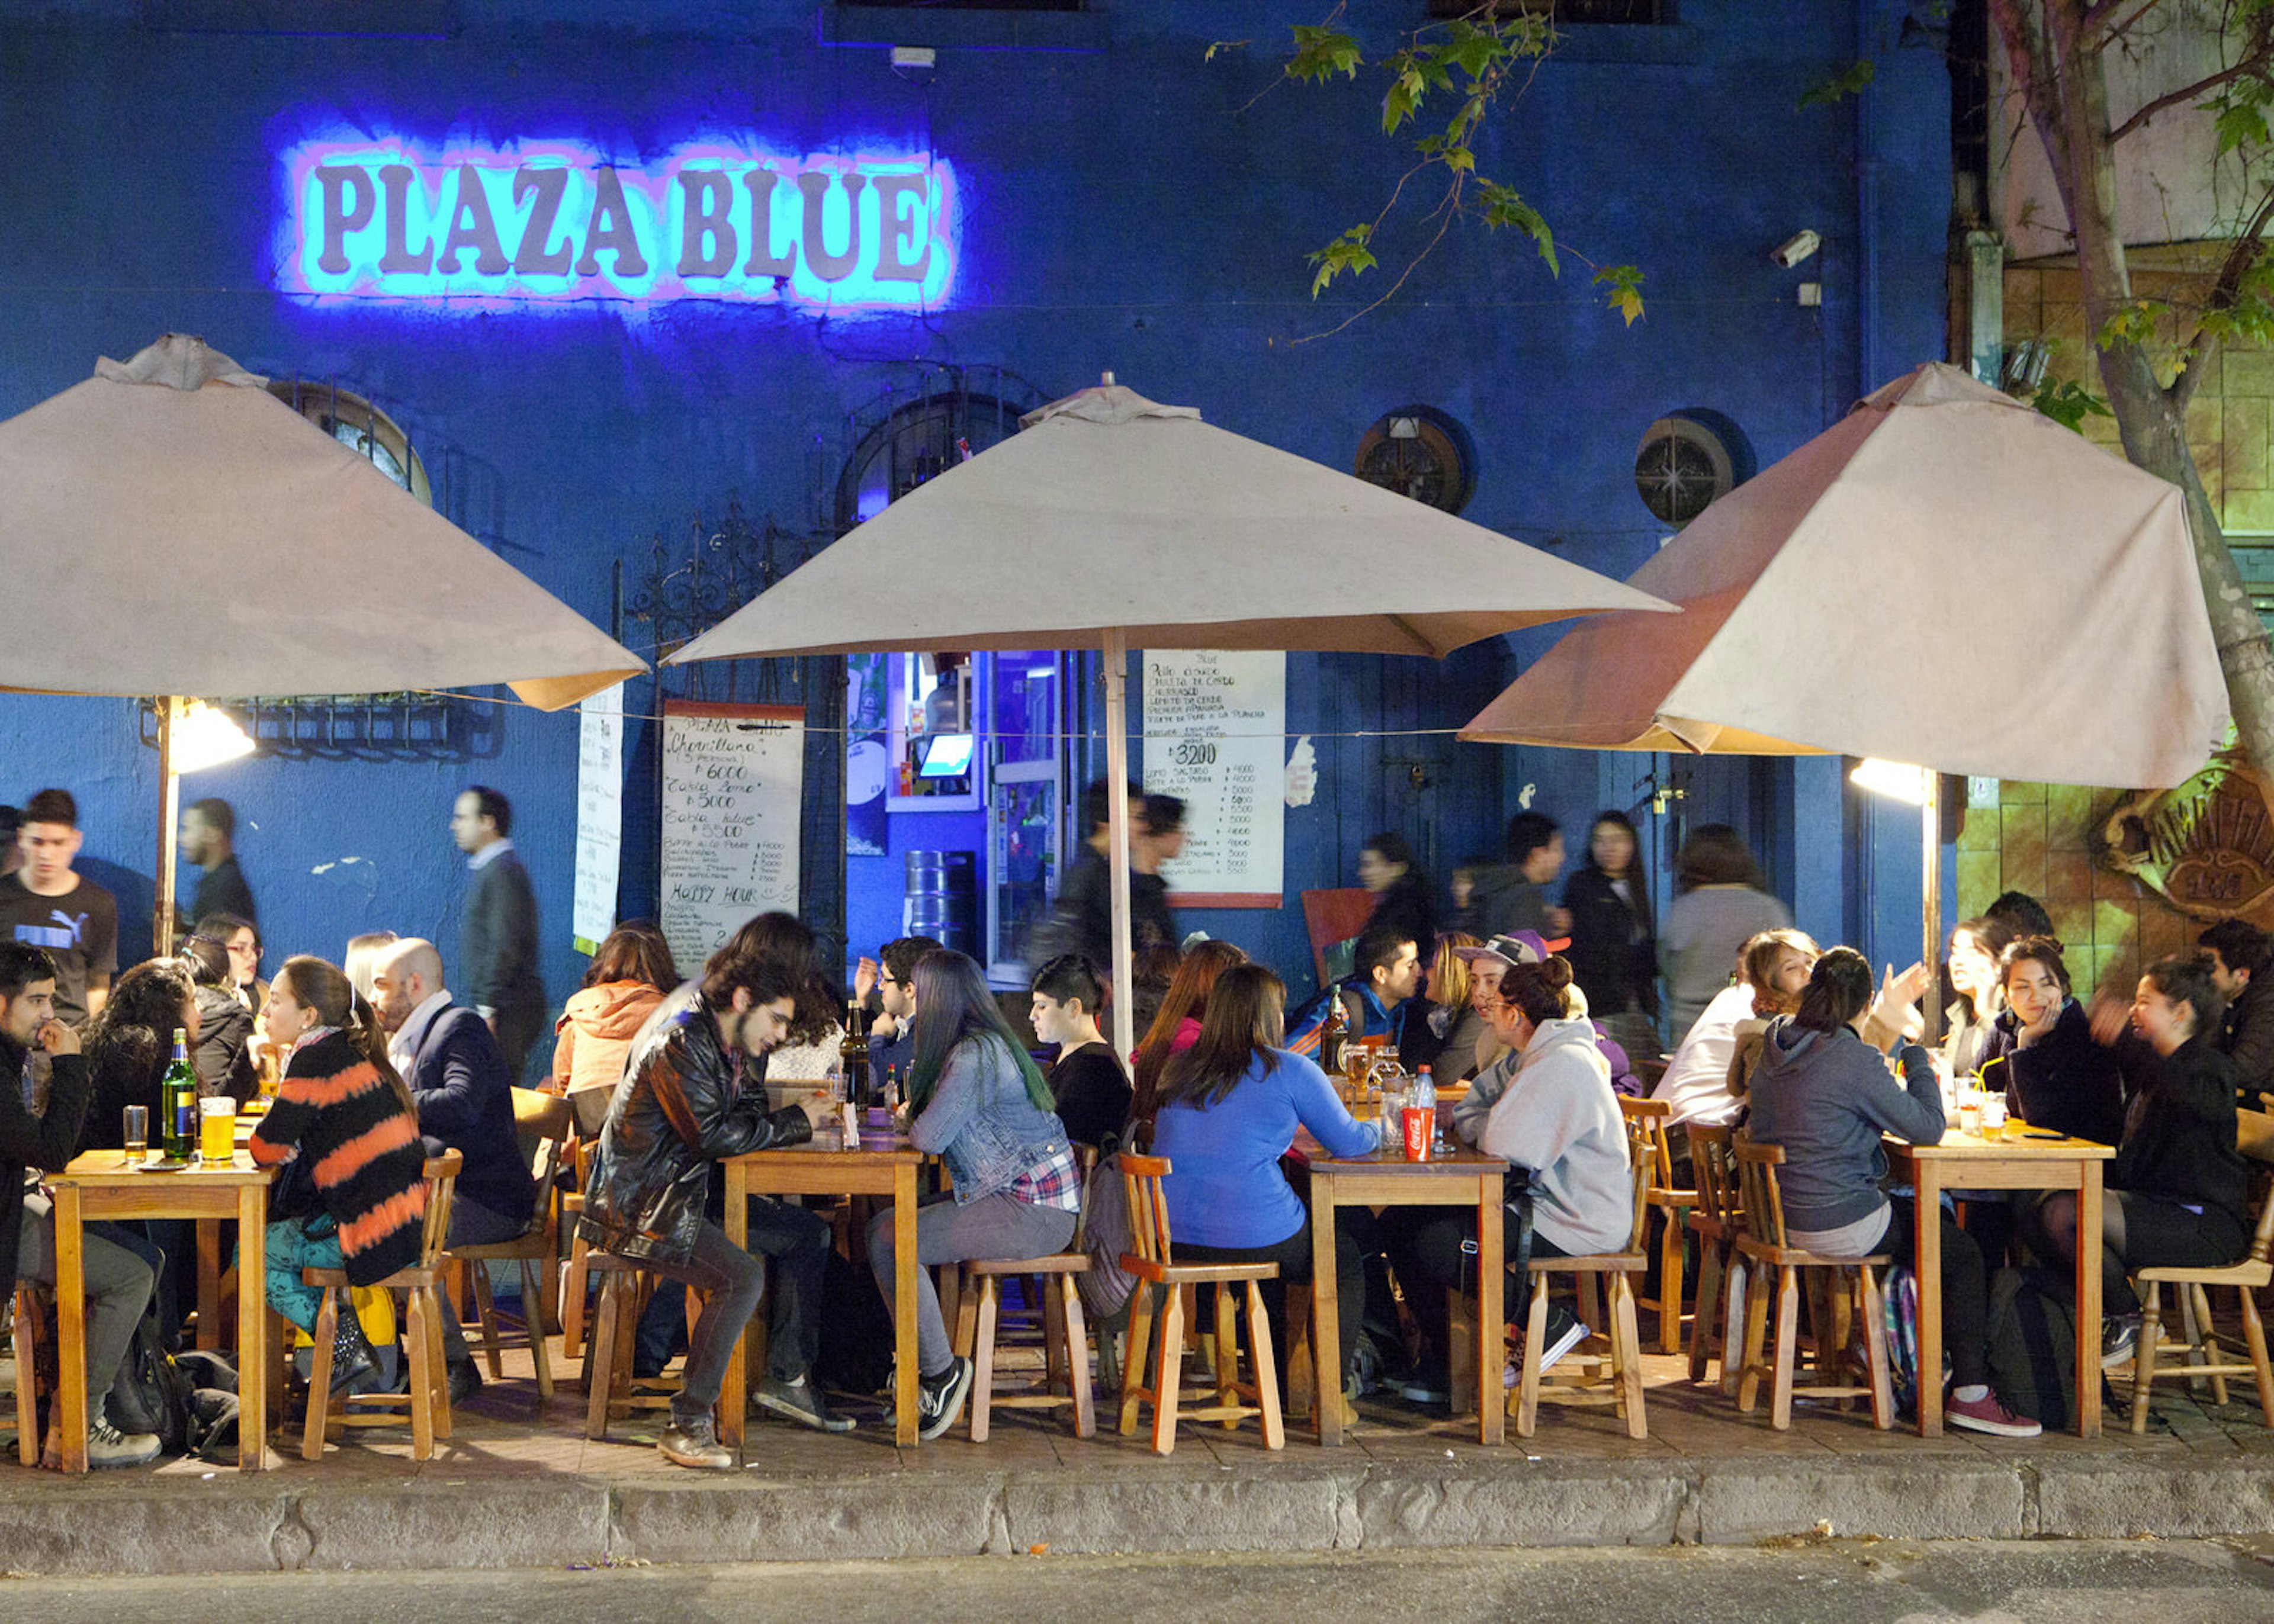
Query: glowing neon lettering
x,y
464,226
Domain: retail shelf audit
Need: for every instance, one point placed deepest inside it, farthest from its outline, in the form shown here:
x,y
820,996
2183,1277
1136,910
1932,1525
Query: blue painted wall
x,y
1125,206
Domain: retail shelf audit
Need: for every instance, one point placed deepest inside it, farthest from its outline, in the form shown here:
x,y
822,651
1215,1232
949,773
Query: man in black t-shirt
x,y
1091,1089
45,905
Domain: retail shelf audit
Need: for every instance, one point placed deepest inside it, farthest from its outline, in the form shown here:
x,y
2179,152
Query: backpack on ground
x,y
2032,1343
151,1393
855,1351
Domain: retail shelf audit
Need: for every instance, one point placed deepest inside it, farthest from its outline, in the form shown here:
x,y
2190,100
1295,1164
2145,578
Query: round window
x,y
361,428
1419,451
1682,468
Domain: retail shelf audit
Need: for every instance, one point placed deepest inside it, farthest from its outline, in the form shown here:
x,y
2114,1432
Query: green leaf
x,y
1322,53
2133,324
1622,290
1405,96
1347,253
1505,207
1849,81
2240,124
2069,404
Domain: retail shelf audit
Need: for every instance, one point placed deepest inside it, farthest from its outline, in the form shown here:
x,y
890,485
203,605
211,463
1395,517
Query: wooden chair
x,y
1622,1366
32,1305
1648,1118
535,1249
1157,1276
576,1277
611,1390
1764,1244
426,1381
539,1115
2199,1345
1052,1283
1716,1220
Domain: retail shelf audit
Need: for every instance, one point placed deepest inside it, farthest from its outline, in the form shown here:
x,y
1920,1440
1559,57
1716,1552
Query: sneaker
x,y
1989,1414
940,1399
1426,1384
800,1402
107,1445
1564,1333
696,1444
2119,1340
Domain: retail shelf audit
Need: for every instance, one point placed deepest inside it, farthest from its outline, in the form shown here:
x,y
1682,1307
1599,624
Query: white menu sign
x,y
1215,729
734,781
599,816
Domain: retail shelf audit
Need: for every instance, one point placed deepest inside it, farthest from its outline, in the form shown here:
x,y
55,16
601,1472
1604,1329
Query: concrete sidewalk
x,y
512,1489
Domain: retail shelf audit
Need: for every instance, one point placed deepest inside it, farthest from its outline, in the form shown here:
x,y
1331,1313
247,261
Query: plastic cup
x,y
1969,1118
217,1131
1994,1117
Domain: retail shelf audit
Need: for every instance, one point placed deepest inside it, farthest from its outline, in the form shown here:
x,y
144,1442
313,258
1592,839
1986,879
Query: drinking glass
x,y
1993,1115
217,1131
137,1133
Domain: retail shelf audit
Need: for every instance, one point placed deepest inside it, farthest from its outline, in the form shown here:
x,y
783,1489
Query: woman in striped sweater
x,y
352,1193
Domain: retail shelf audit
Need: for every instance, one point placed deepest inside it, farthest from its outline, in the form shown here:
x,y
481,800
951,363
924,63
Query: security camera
x,y
1796,248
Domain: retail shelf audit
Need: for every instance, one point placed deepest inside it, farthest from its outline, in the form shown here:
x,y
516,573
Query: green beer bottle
x,y
178,1102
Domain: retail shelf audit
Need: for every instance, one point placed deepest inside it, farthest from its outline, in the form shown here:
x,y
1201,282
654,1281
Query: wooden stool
x,y
611,1390
33,1304
1065,1338
1763,1243
540,1244
425,1378
1157,1276
1619,1372
1646,1121
1716,1220
2199,1345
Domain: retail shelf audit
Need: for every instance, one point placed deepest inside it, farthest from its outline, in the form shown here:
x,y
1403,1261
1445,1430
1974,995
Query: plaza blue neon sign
x,y
467,228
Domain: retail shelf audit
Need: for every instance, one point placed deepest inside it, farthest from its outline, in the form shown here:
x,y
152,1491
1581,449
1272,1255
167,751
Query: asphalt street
x,y
1851,1582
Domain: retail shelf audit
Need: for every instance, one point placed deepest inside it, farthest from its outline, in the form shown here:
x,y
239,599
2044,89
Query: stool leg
x,y
575,1280
417,1375
961,1309
1626,1354
320,1376
1136,1348
2213,1354
2143,1362
1702,1326
486,1310
1227,1356
1788,1312
2254,1334
530,1285
1169,1374
438,1368
28,1396
982,1376
1535,1335
1757,1322
1669,1284
601,1358
1875,1350
1077,1347
1267,1371
1735,1316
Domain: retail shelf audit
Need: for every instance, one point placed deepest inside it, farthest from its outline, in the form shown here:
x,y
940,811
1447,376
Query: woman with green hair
x,y
980,1103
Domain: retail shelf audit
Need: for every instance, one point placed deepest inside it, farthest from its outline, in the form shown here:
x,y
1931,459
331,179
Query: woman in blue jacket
x,y
1229,1108
980,1103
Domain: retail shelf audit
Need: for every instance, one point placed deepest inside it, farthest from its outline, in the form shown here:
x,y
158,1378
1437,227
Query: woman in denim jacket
x,y
979,1102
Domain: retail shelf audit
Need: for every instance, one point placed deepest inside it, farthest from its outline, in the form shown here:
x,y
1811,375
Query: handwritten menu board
x,y
733,782
599,816
1214,721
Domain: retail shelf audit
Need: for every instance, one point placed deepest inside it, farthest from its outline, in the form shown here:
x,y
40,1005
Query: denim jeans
x,y
797,1243
473,1224
733,1281
993,1226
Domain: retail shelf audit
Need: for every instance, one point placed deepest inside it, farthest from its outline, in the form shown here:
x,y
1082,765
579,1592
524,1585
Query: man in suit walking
x,y
497,948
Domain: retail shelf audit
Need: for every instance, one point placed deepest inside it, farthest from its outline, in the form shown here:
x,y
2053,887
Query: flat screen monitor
x,y
946,755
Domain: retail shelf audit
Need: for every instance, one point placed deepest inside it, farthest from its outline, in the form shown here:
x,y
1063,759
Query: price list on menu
x,y
733,780
1213,724
599,816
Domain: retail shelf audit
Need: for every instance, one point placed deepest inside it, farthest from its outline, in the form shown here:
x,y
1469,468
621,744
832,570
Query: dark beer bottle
x,y
853,1057
1333,1035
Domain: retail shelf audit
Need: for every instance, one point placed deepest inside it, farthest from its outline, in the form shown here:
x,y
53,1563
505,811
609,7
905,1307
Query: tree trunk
x,y
2067,94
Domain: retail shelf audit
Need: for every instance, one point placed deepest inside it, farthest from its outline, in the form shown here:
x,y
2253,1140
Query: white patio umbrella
x,y
1114,522
1944,578
173,529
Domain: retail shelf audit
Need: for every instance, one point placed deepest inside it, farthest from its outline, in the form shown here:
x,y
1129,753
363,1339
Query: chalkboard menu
x,y
734,781
1214,725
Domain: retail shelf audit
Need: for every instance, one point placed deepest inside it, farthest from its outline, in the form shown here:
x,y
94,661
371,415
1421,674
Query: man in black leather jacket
x,y
681,1108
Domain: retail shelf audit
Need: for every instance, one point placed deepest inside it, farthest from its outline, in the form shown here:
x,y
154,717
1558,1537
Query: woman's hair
x,y
1070,976
1758,960
1715,854
1528,832
1390,846
220,927
1839,989
205,959
139,1020
1992,934
784,939
325,988
954,1006
2187,980
1242,1023
1542,991
1448,972
1187,997
2034,950
634,952
1634,869
361,963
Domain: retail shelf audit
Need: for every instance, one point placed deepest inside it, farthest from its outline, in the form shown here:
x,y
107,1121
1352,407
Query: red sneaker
x,y
1989,1414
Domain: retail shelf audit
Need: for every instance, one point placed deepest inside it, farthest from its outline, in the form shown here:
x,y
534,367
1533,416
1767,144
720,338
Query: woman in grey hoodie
x,y
1826,1097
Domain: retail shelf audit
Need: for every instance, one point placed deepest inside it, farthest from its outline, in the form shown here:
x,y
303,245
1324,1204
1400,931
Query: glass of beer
x,y
217,1131
1993,1115
137,1130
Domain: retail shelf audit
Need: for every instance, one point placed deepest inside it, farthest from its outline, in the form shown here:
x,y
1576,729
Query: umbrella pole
x,y
169,811
1117,775
1930,904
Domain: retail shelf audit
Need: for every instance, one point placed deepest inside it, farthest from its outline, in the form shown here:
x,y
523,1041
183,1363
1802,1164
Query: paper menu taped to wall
x,y
734,784
599,816
1214,728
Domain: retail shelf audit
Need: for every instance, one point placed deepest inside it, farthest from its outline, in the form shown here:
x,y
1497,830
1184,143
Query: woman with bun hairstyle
x,y
1826,1096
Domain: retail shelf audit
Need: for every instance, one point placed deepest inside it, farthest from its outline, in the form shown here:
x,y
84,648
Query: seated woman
x,y
223,1051
1547,1109
1176,1024
129,1045
981,1105
629,976
1228,1108
1977,947
1441,1027
1701,1081
2177,1189
355,1196
2040,1050
1086,1081
1825,1094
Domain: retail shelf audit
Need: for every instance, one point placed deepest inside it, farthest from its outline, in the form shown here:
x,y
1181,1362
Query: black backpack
x,y
151,1393
2031,1350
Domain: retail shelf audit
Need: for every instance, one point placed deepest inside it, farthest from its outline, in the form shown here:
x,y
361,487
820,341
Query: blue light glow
x,y
466,227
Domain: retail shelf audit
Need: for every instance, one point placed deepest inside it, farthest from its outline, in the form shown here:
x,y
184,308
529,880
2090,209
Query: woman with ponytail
x,y
354,1196
978,1101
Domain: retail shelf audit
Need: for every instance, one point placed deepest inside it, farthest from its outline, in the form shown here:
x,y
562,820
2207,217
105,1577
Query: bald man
x,y
463,1089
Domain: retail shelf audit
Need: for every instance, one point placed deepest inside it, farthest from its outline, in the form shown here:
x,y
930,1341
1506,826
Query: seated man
x,y
1387,965
678,1113
463,1086
892,1033
2241,953
118,1283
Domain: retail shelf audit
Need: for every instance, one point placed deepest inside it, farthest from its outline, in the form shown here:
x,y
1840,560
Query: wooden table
x,y
885,1165
99,1184
1967,1161
1464,1177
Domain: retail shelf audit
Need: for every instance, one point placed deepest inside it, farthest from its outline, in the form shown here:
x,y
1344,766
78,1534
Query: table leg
x,y
210,1285
904,1306
71,1329
252,1313
1927,1255
1492,1312
734,1389
2088,1301
1326,1323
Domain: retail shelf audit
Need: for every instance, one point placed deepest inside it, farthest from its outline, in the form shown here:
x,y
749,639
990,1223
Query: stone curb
x,y
222,1525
